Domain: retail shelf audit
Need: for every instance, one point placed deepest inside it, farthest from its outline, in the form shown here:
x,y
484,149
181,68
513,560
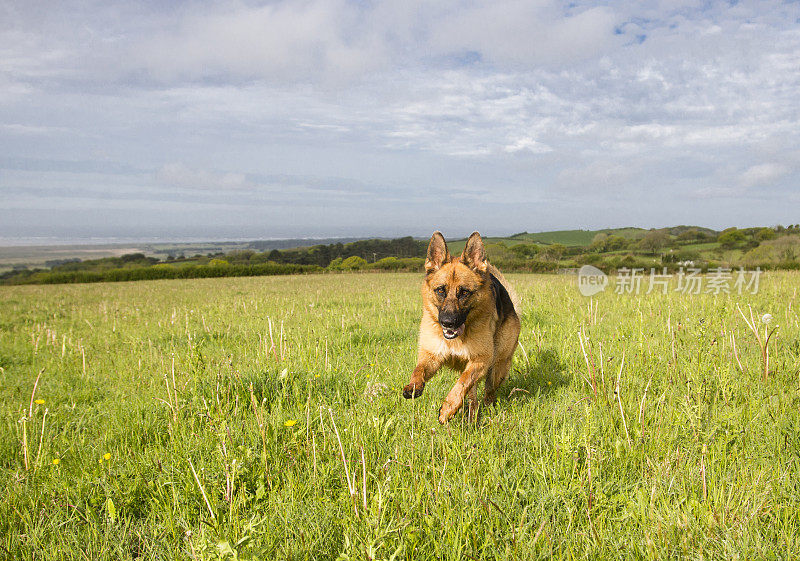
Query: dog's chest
x,y
452,349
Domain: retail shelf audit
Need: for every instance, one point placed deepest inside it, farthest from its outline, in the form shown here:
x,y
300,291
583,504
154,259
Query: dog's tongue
x,y
452,333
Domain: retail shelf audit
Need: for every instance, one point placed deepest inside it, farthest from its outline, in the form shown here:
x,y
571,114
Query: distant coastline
x,y
49,241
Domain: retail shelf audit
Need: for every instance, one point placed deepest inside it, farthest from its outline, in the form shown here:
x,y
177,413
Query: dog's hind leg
x,y
474,404
497,375
489,387
506,343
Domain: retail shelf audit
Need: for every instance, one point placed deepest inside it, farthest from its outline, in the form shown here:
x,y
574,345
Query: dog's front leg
x,y
473,373
427,366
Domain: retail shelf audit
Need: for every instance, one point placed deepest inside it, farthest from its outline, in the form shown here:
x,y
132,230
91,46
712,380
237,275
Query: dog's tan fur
x,y
483,351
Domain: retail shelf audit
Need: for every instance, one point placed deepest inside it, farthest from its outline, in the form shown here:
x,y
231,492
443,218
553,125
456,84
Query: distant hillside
x,y
583,238
577,238
678,230
574,238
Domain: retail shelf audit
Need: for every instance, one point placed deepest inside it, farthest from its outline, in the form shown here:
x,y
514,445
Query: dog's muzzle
x,y
452,324
452,333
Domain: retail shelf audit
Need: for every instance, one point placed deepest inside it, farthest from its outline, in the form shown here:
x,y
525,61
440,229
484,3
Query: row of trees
x,y
370,251
656,240
153,272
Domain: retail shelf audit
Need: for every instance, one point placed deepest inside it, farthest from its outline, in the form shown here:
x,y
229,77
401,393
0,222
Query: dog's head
x,y
455,286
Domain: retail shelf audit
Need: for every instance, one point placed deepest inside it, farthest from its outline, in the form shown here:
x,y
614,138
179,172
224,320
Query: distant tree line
x,y
160,271
370,251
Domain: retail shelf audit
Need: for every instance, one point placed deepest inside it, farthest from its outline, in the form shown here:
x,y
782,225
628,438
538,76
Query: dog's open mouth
x,y
451,333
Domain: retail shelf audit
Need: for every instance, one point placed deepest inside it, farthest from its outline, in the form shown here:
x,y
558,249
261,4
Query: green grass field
x,y
244,418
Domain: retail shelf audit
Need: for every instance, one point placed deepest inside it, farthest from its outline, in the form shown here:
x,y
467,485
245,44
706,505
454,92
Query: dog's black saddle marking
x,y
502,300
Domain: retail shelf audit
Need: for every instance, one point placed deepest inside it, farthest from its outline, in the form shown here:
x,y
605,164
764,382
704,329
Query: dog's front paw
x,y
446,411
413,389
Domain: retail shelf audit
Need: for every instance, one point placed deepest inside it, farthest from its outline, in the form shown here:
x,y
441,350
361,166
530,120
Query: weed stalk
x,y
202,490
763,342
619,400
350,484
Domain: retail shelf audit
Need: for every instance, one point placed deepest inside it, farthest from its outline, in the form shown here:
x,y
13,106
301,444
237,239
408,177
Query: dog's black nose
x,y
450,319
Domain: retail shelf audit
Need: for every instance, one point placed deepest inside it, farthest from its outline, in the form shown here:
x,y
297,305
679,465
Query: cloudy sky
x,y
335,117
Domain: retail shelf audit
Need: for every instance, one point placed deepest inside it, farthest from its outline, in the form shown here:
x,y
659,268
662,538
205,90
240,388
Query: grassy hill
x,y
564,237
569,238
574,238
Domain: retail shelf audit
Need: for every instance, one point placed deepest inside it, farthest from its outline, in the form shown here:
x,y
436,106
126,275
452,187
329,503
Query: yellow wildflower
x,y
290,423
107,456
39,402
56,461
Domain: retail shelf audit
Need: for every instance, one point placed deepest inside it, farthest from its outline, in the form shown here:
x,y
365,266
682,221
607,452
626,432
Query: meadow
x,y
262,418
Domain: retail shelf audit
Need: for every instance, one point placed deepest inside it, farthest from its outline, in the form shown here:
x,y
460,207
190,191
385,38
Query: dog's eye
x,y
440,291
464,293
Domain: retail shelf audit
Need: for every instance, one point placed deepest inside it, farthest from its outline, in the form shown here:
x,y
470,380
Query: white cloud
x,y
277,41
526,32
763,174
527,144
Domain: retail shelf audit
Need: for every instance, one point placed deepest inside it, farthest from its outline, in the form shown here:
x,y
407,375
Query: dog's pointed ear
x,y
474,255
438,254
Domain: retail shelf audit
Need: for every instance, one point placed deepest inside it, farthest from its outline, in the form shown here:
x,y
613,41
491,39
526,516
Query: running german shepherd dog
x,y
470,323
